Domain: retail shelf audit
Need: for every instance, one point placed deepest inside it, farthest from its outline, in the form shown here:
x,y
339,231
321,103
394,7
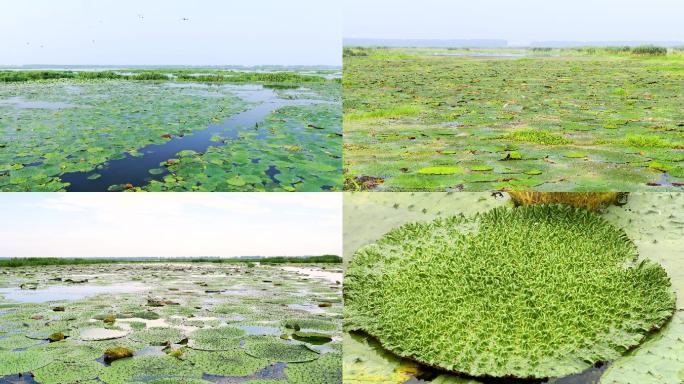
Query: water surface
x,y
20,102
135,170
67,292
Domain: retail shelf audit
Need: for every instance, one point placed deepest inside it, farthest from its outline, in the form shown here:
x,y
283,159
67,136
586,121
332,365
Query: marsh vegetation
x,y
580,119
170,323
44,261
170,130
652,228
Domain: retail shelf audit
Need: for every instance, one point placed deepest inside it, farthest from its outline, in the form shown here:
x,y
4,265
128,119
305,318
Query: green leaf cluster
x,y
529,292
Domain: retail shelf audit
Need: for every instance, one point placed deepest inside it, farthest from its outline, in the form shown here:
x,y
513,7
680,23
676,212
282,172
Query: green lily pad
x,y
440,171
226,363
275,349
570,260
216,339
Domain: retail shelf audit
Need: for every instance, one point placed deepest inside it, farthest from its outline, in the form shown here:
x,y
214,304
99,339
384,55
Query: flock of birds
x,y
140,17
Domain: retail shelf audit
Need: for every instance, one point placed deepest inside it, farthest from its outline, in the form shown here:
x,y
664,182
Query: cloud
x,y
171,224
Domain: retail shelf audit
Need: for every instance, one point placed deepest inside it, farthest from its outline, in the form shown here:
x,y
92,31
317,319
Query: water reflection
x,y
67,292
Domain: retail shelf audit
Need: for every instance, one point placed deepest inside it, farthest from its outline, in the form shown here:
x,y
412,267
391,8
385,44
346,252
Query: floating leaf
x,y
440,171
537,257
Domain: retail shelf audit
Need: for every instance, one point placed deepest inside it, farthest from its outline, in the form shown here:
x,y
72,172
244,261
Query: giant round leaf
x,y
529,292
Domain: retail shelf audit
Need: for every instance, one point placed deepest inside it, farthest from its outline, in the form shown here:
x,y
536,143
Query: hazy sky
x,y
153,32
520,21
170,224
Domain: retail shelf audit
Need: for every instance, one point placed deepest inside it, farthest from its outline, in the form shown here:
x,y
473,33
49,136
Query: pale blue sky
x,y
170,224
519,22
153,32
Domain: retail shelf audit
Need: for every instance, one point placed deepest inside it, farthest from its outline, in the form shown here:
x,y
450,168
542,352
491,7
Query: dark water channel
x,y
66,292
427,374
135,170
274,371
588,376
22,378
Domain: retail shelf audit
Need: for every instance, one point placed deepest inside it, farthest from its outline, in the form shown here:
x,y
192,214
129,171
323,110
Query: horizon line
x,y
177,65
518,44
158,257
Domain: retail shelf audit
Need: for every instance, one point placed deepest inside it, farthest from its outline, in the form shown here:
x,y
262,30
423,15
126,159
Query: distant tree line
x,y
158,75
46,261
641,50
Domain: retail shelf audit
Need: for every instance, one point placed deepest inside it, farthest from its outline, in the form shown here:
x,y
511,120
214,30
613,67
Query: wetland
x,y
171,322
651,221
170,130
585,119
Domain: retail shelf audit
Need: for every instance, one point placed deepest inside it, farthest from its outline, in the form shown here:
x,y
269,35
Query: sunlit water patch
x,y
20,102
67,292
202,311
331,276
147,163
652,220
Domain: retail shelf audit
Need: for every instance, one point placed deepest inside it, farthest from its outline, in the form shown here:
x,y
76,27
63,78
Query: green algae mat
x,y
648,225
171,323
75,134
435,120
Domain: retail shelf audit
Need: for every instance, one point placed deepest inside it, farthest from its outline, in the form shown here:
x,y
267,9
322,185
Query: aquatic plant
x,y
24,326
311,323
249,77
163,75
262,159
312,337
658,361
226,363
35,157
17,76
537,137
149,75
326,370
12,363
148,368
100,334
147,315
11,342
70,372
216,339
137,325
365,361
57,336
174,380
278,350
354,51
69,352
530,292
117,353
231,308
540,131
649,50
45,261
442,170
541,49
175,352
591,201
158,336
